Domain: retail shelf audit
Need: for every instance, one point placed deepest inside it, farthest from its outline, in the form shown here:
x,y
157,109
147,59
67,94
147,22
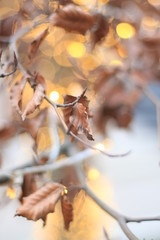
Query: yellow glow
x,y
150,23
85,2
74,89
11,193
125,30
155,3
115,62
76,49
93,174
65,191
100,146
122,51
54,95
103,1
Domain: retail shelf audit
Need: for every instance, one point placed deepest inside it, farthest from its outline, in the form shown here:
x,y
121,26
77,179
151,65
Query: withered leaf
x,y
37,98
29,185
67,210
76,117
16,94
73,19
79,119
100,29
37,205
33,48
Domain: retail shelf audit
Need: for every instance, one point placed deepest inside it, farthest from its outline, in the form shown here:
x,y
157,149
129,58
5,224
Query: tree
x,y
111,51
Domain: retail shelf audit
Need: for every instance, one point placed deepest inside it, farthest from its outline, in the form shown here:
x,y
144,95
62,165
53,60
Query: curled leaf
x,y
37,205
67,210
40,88
73,19
29,185
100,29
76,117
16,94
33,48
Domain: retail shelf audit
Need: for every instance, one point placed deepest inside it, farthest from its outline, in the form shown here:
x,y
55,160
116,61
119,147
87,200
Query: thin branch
x,y
117,216
76,137
65,105
68,161
121,219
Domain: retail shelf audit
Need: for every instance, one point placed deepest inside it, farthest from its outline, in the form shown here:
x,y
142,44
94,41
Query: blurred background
x,y
116,70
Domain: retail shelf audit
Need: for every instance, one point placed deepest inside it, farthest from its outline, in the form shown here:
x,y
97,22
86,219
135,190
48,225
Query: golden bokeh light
x,y
149,23
125,30
115,63
100,146
11,193
155,3
74,89
76,49
85,2
54,96
93,174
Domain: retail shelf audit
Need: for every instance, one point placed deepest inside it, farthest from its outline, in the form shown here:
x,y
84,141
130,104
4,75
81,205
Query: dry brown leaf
x,y
37,98
100,29
33,48
40,203
79,119
76,117
16,94
29,185
73,19
67,210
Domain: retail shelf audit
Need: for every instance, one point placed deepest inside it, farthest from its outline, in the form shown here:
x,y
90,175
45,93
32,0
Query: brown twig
x,y
121,219
75,136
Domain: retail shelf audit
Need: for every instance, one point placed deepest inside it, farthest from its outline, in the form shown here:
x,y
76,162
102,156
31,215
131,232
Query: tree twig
x,y
121,219
76,137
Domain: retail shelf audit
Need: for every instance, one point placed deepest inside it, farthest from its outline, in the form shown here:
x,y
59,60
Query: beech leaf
x,y
37,205
16,94
76,117
73,19
29,185
33,48
37,98
100,29
67,211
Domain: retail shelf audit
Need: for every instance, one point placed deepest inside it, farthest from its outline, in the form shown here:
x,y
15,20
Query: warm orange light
x,y
93,174
100,146
155,3
76,49
125,30
11,193
54,96
116,62
149,23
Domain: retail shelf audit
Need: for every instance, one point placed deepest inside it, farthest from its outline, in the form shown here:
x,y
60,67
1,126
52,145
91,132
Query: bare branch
x,y
117,216
76,137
